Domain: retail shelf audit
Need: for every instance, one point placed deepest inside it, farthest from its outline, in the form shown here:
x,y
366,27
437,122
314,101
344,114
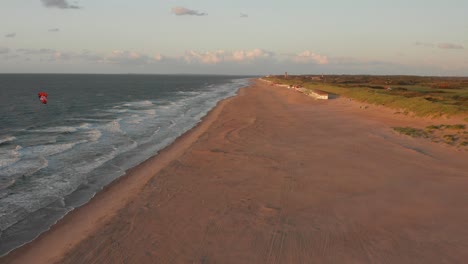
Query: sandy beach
x,y
274,176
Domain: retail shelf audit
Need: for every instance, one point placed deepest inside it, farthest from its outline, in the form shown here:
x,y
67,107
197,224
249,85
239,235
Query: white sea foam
x,y
114,126
9,156
135,119
7,139
157,131
84,125
143,103
50,149
149,111
86,167
188,93
8,161
173,123
93,120
94,135
25,167
117,110
139,103
59,129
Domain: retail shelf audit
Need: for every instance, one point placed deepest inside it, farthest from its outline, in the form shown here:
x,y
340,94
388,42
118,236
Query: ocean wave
x,y
156,131
135,119
188,93
143,103
94,135
50,149
114,126
84,125
8,161
88,166
117,110
58,129
139,103
92,120
149,111
7,139
173,123
25,167
9,156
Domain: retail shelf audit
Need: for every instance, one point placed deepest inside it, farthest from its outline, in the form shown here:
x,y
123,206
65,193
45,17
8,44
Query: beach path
x,y
279,177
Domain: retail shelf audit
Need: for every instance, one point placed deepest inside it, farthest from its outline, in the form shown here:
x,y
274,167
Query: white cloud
x,y
440,45
10,56
219,56
62,4
242,55
10,35
210,57
243,15
4,50
127,57
449,46
62,56
310,57
181,11
424,44
158,57
54,30
36,51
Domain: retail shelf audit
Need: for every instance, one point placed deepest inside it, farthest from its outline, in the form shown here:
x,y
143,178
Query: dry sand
x,y
273,176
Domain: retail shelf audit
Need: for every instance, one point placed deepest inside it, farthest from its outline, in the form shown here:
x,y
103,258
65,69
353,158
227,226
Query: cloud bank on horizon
x,y
62,4
159,37
448,46
4,50
182,11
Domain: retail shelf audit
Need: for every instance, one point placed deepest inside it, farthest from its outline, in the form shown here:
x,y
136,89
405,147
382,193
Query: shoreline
x,y
136,177
273,176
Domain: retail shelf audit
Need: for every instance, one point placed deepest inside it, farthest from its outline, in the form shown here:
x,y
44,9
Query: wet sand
x,y
273,176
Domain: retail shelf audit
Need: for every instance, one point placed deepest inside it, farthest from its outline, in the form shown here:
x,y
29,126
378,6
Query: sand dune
x,y
273,176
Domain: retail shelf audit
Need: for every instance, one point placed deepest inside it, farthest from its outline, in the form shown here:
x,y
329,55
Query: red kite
x,y
43,97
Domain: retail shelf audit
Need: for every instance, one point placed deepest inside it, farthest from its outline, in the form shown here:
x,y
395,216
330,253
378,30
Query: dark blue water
x,y
55,157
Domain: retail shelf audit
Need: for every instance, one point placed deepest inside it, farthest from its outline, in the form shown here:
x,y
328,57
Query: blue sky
x,y
236,37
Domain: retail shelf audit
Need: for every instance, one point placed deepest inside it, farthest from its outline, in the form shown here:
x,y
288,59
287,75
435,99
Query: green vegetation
x,y
450,139
436,133
412,132
456,127
441,127
434,127
423,96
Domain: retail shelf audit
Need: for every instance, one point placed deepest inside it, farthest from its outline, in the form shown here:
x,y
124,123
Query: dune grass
x,y
412,132
419,96
438,133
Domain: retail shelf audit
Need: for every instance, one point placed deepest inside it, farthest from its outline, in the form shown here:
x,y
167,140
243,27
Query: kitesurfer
x,y
43,97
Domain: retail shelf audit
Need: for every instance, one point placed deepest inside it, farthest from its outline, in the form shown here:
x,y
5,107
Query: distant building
x,y
319,94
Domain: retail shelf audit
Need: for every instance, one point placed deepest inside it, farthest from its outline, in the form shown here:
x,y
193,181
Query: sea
x,y
55,157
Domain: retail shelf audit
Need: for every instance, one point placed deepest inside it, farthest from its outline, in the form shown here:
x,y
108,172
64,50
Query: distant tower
x,y
286,75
